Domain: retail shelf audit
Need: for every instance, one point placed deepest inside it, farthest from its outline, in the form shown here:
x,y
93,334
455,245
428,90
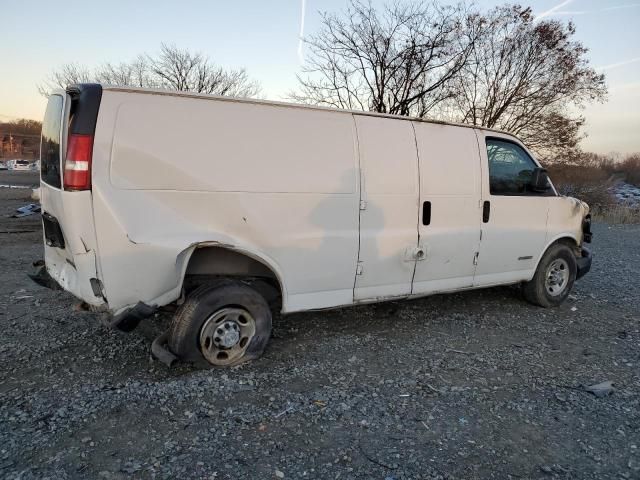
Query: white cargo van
x,y
228,208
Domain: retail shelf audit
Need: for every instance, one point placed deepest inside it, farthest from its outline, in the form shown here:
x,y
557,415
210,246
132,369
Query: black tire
x,y
202,304
537,292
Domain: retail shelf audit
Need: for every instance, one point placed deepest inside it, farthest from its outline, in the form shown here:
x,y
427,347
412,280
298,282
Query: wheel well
x,y
568,241
210,263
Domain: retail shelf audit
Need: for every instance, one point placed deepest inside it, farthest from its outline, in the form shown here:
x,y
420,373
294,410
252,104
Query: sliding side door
x,y
389,208
449,222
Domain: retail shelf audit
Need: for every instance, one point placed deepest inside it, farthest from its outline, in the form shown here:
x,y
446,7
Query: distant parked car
x,y
3,166
19,165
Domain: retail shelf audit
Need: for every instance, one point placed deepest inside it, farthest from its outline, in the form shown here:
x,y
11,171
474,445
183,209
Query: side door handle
x,y
486,211
426,213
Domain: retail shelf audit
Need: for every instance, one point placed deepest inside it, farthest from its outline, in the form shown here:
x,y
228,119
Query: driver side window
x,y
510,168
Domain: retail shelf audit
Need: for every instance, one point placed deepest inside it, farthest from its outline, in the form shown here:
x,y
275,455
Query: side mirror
x,y
539,180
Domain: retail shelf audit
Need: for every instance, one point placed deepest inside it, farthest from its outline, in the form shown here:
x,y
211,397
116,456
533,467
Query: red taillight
x,y
77,166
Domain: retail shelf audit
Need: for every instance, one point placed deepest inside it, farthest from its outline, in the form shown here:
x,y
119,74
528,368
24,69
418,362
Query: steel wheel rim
x,y
226,334
557,277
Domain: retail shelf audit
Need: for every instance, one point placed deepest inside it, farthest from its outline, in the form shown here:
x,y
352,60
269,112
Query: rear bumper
x,y
584,263
126,321
75,275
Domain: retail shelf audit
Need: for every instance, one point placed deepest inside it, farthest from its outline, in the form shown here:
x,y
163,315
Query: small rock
x,y
601,389
546,469
561,398
279,474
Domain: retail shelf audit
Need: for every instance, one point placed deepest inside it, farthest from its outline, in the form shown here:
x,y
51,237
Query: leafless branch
x,y
171,69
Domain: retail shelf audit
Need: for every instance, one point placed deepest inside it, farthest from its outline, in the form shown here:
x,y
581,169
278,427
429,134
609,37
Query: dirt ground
x,y
471,385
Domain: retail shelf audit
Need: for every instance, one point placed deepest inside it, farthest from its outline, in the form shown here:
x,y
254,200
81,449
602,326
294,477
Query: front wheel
x,y
554,277
221,325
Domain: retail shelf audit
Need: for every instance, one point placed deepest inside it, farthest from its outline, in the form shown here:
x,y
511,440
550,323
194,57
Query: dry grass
x,y
621,214
587,183
589,178
630,167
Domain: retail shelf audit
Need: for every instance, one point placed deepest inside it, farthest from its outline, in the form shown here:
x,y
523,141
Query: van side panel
x,y
216,146
278,183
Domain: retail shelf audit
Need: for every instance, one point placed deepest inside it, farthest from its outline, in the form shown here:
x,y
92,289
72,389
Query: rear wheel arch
x,y
206,261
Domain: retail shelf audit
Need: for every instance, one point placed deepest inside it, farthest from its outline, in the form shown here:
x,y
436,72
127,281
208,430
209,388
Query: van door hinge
x,y
475,258
359,268
363,204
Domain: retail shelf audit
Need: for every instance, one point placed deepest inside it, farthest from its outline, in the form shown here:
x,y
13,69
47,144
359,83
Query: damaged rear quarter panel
x,y
153,201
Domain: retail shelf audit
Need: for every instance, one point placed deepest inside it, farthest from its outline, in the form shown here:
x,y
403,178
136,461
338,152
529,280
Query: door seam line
x,y
415,263
360,185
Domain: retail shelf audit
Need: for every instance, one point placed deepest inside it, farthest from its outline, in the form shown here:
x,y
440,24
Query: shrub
x,y
588,183
589,177
630,167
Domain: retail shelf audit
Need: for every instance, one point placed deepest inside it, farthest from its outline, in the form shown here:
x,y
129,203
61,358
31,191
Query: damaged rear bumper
x,y
126,320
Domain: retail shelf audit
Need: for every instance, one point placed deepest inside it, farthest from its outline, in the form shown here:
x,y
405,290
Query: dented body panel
x,y
328,204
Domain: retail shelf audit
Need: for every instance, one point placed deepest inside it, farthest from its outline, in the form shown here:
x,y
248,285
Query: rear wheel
x,y
554,277
222,324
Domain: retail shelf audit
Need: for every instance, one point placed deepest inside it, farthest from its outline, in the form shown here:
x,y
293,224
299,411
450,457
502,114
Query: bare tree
x,y
501,69
132,74
527,78
182,70
171,69
66,75
399,60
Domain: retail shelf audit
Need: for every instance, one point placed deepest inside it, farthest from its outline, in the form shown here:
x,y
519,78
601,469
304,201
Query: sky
x,y
264,37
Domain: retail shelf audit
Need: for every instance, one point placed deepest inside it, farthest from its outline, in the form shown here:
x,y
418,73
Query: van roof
x,y
173,93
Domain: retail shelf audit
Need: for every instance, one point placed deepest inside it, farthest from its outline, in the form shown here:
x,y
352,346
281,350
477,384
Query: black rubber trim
x,y
85,103
42,278
52,232
129,319
587,235
584,263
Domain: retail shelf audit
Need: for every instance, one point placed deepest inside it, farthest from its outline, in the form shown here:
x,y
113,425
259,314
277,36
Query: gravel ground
x,y
19,178
471,385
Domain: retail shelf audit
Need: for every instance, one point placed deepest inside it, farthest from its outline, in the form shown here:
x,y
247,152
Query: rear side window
x,y
510,168
50,143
